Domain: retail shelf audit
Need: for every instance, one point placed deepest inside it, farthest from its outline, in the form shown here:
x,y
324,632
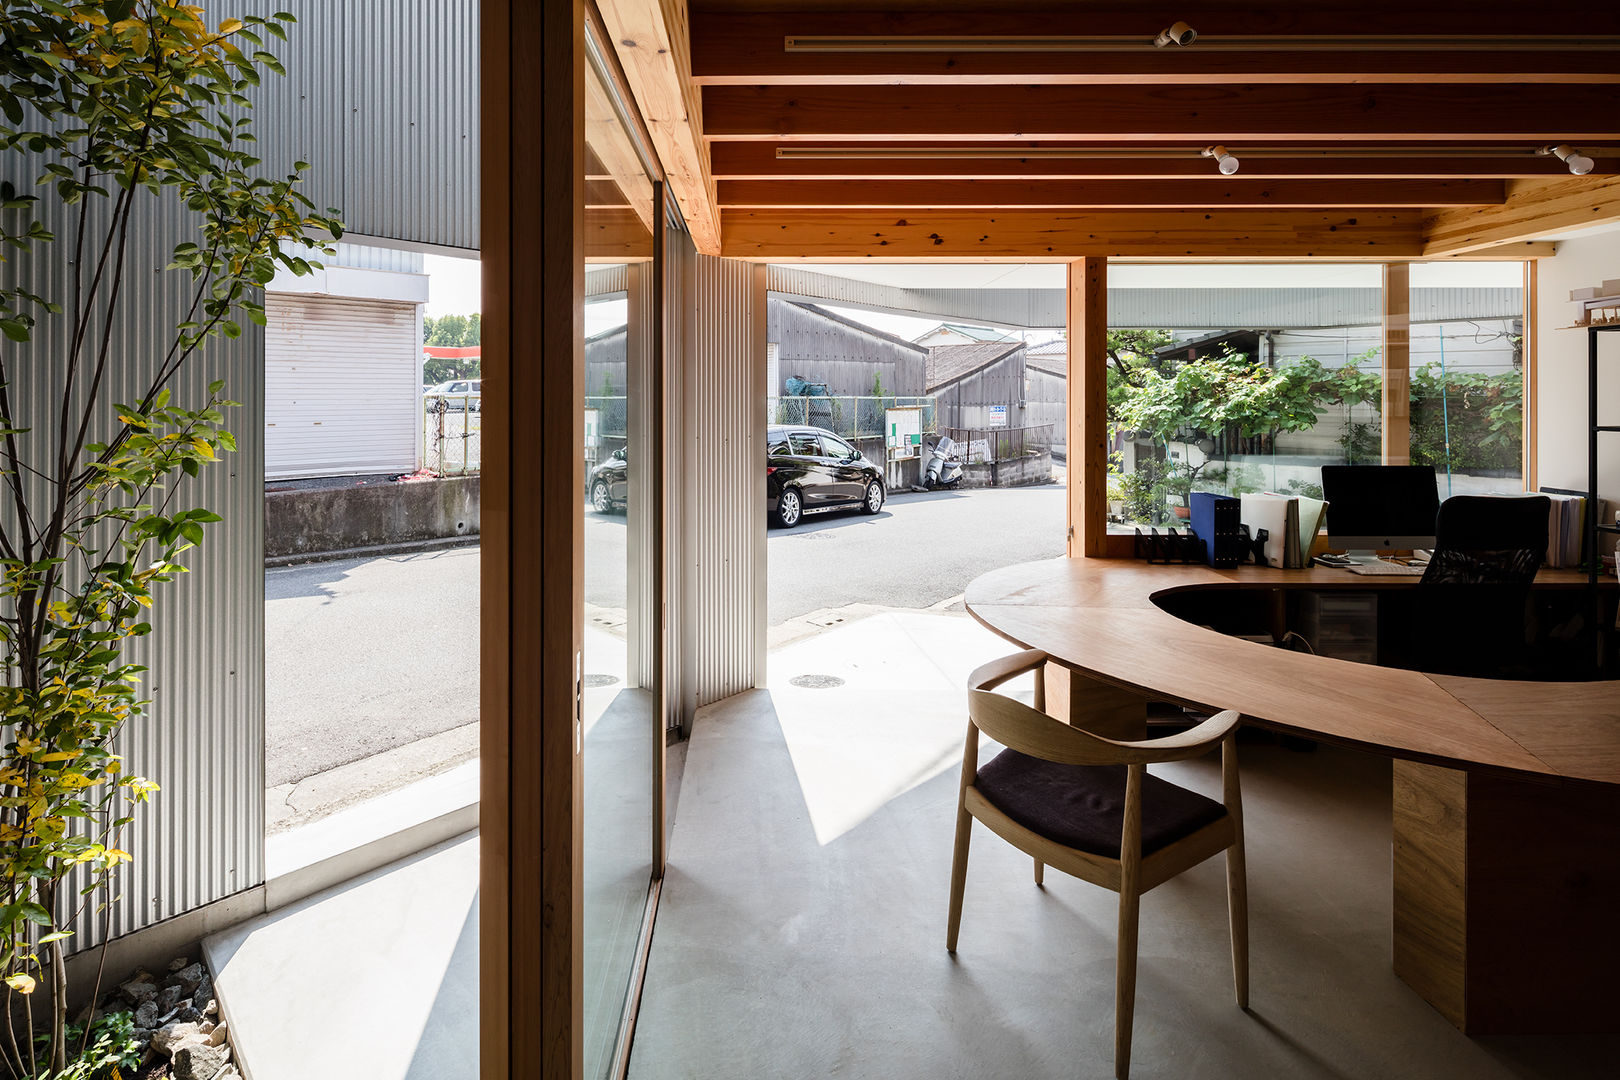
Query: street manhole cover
x,y
594,681
816,682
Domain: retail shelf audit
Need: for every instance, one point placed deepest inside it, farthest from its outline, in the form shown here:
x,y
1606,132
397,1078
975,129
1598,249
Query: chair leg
x,y
1130,903
959,858
1237,906
1040,873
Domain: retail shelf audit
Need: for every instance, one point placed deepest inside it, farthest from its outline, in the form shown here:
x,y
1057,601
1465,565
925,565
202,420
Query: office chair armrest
x,y
990,675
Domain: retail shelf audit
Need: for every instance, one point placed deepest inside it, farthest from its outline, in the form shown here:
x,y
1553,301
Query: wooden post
x,y
1529,352
532,191
1087,407
1397,403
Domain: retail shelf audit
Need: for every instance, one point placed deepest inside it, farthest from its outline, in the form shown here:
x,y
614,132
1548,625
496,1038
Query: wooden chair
x,y
1086,805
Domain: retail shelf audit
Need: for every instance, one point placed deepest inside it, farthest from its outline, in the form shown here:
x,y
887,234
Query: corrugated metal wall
x,y
822,348
203,737
725,479
640,588
381,99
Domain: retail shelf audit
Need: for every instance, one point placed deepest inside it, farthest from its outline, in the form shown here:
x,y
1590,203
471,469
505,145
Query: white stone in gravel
x,y
168,1037
199,1061
219,1034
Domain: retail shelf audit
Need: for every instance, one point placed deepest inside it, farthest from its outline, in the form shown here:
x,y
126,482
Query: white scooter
x,y
942,471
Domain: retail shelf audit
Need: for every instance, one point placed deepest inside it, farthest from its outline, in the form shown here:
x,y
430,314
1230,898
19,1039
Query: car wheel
x,y
874,497
788,510
600,501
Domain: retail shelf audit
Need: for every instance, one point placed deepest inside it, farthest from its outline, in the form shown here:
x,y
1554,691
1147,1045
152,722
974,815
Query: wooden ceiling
x,y
939,129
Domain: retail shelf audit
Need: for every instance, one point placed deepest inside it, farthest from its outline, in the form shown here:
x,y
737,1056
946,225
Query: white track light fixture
x,y
1179,33
1578,163
1223,159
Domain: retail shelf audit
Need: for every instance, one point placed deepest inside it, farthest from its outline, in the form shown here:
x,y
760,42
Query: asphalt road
x,y
365,655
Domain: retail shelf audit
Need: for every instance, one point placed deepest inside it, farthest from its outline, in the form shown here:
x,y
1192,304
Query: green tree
x,y
453,331
112,106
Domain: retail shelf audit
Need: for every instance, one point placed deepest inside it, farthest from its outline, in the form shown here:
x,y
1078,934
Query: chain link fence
x,y
452,425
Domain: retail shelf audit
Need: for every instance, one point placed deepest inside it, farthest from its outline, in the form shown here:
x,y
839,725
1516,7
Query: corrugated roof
x,y
977,333
1050,356
947,363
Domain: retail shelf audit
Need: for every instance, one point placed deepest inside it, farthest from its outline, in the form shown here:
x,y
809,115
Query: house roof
x,y
1049,356
977,333
948,363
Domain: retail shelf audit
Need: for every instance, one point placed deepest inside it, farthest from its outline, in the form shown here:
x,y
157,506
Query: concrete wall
x,y
313,521
1016,472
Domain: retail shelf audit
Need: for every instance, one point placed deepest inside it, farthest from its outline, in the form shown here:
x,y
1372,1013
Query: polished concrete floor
x,y
802,927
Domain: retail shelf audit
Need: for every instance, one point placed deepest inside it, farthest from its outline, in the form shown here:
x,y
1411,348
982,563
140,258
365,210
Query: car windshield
x,y
837,448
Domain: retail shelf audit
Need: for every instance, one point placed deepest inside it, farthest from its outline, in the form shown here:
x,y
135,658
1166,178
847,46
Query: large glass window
x,y
622,728
1238,378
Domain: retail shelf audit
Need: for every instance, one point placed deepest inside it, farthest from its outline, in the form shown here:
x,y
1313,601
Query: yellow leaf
x,y
23,984
230,26
59,755
25,745
114,856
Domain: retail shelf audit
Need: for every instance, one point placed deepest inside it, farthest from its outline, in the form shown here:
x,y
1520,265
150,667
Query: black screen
x,y
1380,500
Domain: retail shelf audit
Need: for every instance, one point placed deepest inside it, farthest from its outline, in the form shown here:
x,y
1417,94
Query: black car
x,y
810,470
607,485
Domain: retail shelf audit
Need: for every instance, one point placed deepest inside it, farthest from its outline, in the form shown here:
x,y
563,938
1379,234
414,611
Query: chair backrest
x,y
1029,731
1489,540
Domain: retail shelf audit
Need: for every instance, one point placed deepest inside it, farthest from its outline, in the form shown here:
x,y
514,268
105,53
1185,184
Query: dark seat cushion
x,y
1083,806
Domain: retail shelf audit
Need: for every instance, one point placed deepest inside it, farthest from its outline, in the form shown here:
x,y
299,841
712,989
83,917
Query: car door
x,y
843,464
814,481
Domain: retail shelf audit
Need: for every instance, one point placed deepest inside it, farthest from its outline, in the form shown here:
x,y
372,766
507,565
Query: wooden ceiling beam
x,y
1117,194
749,49
1146,114
758,161
652,40
1044,234
1532,209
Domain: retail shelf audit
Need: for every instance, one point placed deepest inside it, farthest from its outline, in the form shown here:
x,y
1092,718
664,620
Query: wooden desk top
x,y
1099,617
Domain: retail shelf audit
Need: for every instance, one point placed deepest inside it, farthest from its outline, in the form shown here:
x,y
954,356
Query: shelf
x,y
1608,528
1607,427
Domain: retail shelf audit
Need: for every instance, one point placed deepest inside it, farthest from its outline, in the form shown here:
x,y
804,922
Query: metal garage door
x,y
340,386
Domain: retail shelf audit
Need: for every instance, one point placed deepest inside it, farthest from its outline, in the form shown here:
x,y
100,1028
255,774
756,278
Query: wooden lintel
x,y
1120,194
1532,209
652,41
1146,114
1044,234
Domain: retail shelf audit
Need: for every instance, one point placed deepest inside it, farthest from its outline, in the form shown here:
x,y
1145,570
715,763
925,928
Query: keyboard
x,y
1381,569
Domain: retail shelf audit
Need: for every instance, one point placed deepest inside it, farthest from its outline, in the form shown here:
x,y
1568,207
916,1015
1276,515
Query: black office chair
x,y
1471,607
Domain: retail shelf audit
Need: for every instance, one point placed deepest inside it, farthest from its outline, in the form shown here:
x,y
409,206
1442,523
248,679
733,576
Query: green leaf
x,y
15,329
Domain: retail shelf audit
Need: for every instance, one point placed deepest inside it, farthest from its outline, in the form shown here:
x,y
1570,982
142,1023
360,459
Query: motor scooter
x,y
943,471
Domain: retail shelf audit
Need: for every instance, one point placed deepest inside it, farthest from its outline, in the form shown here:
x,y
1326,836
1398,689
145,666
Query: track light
x,y
1578,163
1179,33
1223,159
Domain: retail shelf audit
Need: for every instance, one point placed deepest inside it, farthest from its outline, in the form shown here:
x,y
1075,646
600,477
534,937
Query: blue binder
x,y
1215,520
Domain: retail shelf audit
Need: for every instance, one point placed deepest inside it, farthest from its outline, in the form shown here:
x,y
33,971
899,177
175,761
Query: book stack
x,y
1566,527
1215,520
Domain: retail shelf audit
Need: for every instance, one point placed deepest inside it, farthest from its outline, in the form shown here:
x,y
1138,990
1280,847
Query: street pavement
x,y
372,664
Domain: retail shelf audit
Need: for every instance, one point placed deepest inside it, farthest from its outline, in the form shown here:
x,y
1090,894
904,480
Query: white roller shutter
x,y
340,386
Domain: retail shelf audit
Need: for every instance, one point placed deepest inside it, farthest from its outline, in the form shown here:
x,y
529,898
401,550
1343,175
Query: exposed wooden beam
x,y
1045,234
759,161
652,41
1146,114
1118,194
1532,209
610,143
738,48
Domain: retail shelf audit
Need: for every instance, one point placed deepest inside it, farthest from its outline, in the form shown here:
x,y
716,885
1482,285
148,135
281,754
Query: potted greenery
x,y
110,110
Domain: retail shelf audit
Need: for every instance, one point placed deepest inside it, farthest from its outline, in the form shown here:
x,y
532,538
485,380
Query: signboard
x,y
998,416
903,431
592,429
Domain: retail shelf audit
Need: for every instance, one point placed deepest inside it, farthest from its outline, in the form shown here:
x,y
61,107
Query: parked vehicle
x,y
609,483
809,470
943,471
439,397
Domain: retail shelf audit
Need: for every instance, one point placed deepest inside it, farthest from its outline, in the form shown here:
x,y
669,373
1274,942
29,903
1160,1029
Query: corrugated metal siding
x,y
727,508
202,837
640,596
341,390
822,349
371,257
381,99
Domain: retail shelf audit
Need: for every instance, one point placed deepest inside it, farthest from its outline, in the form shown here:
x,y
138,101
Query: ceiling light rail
x,y
1578,162
1425,43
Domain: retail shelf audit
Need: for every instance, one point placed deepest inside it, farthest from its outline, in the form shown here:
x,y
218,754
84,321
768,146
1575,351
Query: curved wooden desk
x,y
1507,794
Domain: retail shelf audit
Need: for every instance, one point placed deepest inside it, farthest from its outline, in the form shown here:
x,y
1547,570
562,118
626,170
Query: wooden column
x,y
1529,352
1397,403
532,189
1087,407
1098,707
1504,899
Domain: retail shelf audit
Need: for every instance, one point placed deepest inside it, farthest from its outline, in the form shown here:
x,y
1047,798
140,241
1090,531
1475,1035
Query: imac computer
x,y
1380,507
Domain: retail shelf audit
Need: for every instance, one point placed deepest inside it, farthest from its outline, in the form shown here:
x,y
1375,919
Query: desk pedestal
x,y
1505,914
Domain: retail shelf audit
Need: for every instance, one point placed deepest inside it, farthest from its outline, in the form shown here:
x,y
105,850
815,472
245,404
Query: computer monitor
x,y
1372,507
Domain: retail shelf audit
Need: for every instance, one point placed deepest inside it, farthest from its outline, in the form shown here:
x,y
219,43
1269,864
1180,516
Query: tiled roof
x,y
1050,356
977,333
947,363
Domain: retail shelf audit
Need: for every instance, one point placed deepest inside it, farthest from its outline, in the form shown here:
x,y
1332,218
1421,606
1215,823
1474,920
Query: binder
x,y
1279,516
1215,520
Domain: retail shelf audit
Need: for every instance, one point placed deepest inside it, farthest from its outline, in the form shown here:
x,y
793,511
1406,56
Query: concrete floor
x,y
801,931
